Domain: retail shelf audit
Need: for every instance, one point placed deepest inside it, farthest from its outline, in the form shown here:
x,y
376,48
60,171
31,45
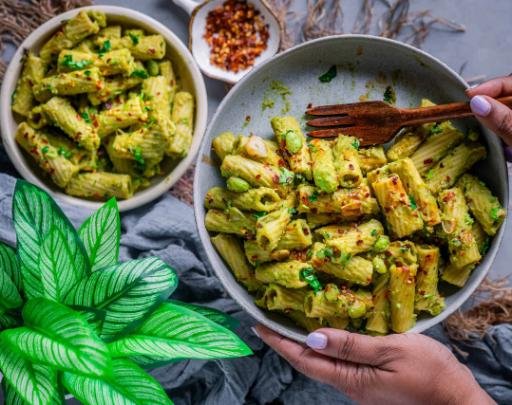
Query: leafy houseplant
x,y
73,319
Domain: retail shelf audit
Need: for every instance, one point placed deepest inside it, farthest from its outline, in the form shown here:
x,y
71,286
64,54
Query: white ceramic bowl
x,y
366,65
184,64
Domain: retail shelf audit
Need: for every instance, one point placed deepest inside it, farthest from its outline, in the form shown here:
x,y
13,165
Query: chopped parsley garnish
x,y
285,176
436,128
87,118
64,152
137,155
45,150
495,213
140,73
356,144
374,232
134,38
313,197
414,206
430,174
308,275
87,73
150,122
329,75
259,214
74,64
292,211
106,47
468,220
343,259
325,252
485,246
389,95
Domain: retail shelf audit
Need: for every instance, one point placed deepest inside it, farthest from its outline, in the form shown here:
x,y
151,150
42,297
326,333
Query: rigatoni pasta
x,y
348,237
109,91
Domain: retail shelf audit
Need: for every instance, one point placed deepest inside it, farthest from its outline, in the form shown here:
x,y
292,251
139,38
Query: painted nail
x,y
316,340
255,331
508,153
480,106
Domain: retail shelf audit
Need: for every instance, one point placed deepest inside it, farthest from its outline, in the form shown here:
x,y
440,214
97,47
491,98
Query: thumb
x,y
352,347
494,115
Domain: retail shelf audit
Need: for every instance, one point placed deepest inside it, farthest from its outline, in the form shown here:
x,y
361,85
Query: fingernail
x,y
316,340
480,106
255,331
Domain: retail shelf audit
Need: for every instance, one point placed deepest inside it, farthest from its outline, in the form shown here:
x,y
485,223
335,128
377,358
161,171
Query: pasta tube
x,y
324,173
121,116
100,185
277,298
485,207
446,173
378,319
113,87
111,63
402,216
346,161
33,72
68,84
224,144
262,199
287,274
36,144
61,113
271,227
427,296
259,149
293,142
231,251
140,145
371,158
257,174
407,143
231,220
183,117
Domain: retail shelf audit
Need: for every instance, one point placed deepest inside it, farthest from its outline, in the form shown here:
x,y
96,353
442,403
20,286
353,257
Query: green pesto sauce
x,y
275,90
389,95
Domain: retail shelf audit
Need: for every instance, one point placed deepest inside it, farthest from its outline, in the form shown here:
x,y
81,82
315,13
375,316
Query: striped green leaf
x,y
128,385
100,234
212,314
9,264
125,291
56,266
35,384
34,214
12,397
9,295
174,332
8,321
60,337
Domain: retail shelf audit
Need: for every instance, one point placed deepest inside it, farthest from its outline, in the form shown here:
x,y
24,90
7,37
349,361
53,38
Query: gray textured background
x,y
486,46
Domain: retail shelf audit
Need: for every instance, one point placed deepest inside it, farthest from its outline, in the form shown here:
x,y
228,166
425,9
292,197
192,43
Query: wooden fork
x,y
376,122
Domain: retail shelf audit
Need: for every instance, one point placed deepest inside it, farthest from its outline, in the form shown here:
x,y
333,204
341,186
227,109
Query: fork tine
x,y
331,121
342,109
333,132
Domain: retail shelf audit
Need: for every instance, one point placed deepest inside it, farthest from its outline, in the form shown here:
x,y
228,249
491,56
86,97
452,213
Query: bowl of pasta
x,y
305,233
103,102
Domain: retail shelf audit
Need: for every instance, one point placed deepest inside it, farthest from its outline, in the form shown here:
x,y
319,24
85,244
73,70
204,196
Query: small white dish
x,y
201,50
185,66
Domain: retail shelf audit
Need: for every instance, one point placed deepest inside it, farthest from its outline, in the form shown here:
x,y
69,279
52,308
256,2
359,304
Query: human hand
x,y
398,369
491,113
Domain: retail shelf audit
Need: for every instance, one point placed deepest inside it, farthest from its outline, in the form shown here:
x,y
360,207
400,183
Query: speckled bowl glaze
x,y
185,66
366,66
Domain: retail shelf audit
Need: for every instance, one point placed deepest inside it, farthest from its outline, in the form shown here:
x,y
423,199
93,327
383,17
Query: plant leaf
x,y
34,383
34,214
101,234
11,396
129,385
212,314
8,321
9,264
56,265
126,291
60,337
9,295
175,332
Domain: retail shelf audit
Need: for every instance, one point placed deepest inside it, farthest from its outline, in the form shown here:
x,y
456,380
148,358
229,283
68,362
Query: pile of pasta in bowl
x,y
332,234
101,108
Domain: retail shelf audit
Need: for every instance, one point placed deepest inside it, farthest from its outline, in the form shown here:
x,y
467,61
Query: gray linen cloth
x,y
166,229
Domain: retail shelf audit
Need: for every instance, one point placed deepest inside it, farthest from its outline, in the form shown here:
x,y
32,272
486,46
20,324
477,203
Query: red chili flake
x,y
428,161
237,35
394,180
359,242
351,166
258,176
441,165
151,51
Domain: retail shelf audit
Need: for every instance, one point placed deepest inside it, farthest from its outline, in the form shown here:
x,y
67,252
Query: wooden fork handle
x,y
422,115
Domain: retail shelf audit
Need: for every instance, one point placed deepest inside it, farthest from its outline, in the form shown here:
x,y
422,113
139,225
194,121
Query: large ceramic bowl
x,y
190,79
365,65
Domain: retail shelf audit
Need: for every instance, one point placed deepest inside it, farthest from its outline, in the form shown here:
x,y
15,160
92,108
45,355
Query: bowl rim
x,y
197,81
211,254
